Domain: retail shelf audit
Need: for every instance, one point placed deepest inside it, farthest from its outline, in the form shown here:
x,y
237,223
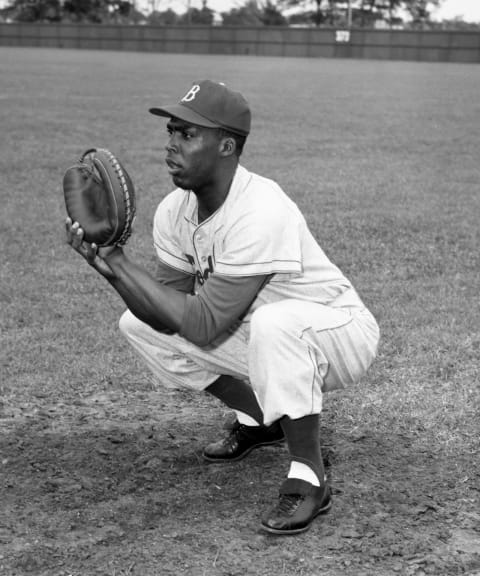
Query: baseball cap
x,y
213,105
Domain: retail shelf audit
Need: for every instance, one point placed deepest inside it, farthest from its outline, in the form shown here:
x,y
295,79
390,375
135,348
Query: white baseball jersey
x,y
258,230
305,332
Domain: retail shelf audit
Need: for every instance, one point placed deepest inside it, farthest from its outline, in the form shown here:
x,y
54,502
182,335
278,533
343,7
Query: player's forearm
x,y
157,305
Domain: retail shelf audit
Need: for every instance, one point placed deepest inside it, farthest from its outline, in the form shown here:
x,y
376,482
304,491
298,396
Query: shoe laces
x,y
288,503
235,432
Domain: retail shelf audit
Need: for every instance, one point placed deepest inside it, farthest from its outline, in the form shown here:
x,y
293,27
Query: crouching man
x,y
247,307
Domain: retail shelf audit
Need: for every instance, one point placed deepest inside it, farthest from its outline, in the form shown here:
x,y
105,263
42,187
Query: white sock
x,y
303,472
245,419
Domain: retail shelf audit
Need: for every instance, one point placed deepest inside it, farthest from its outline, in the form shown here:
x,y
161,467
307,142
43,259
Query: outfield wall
x,y
433,46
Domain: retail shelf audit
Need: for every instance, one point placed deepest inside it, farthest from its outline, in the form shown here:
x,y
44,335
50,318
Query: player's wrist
x,y
113,255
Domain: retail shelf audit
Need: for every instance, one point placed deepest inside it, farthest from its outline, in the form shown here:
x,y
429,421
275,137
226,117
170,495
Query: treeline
x,y
329,13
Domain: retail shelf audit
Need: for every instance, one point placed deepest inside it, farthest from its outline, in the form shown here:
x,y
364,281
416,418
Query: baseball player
x,y
246,305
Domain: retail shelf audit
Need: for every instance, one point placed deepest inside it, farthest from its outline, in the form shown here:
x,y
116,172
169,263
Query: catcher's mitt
x,y
100,196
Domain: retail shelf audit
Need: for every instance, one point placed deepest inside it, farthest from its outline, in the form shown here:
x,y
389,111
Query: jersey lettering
x,y
209,269
202,276
190,95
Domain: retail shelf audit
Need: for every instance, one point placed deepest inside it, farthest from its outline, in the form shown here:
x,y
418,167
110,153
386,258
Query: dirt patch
x,y
114,485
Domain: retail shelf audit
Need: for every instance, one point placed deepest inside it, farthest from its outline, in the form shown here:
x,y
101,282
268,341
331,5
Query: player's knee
x,y
128,323
266,322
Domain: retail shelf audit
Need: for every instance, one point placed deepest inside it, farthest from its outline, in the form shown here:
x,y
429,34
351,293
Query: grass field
x,y
100,471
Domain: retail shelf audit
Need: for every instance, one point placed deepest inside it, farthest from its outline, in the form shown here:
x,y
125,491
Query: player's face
x,y
192,154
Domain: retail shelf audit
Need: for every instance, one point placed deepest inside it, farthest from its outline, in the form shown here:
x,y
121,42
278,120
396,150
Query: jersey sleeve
x,y
174,278
220,302
262,242
167,227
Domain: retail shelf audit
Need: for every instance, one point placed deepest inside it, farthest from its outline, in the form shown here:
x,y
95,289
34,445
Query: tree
x,y
164,18
204,16
34,11
119,11
255,13
271,16
84,10
247,15
456,23
364,12
97,10
312,9
420,10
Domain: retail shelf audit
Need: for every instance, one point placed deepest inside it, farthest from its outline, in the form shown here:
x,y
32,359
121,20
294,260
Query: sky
x,y
468,9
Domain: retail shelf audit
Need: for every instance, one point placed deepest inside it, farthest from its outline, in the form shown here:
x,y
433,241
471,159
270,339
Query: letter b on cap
x,y
190,95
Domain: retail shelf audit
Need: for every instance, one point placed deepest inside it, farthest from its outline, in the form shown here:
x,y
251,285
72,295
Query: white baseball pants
x,y
291,352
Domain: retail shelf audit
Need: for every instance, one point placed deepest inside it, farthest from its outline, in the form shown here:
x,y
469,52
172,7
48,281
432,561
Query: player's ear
x,y
227,146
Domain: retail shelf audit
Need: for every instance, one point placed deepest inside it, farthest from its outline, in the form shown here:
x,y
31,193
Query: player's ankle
x,y
303,471
245,419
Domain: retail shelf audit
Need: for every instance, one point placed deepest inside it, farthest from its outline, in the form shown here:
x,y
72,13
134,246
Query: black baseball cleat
x,y
299,503
241,441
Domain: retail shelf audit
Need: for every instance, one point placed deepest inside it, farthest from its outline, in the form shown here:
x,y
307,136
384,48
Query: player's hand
x,y
95,256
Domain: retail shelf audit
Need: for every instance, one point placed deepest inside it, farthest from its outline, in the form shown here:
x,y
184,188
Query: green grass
x,y
383,159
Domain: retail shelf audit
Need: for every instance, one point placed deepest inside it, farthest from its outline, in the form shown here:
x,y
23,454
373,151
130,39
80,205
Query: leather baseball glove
x,y
100,196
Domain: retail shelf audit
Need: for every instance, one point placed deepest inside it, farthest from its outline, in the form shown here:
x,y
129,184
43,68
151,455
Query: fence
x,y
434,46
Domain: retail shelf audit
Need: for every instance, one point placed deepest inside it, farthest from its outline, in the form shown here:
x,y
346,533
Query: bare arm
x,y
156,304
199,318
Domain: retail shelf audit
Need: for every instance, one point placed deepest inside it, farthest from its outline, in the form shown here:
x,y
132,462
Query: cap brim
x,y
183,113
